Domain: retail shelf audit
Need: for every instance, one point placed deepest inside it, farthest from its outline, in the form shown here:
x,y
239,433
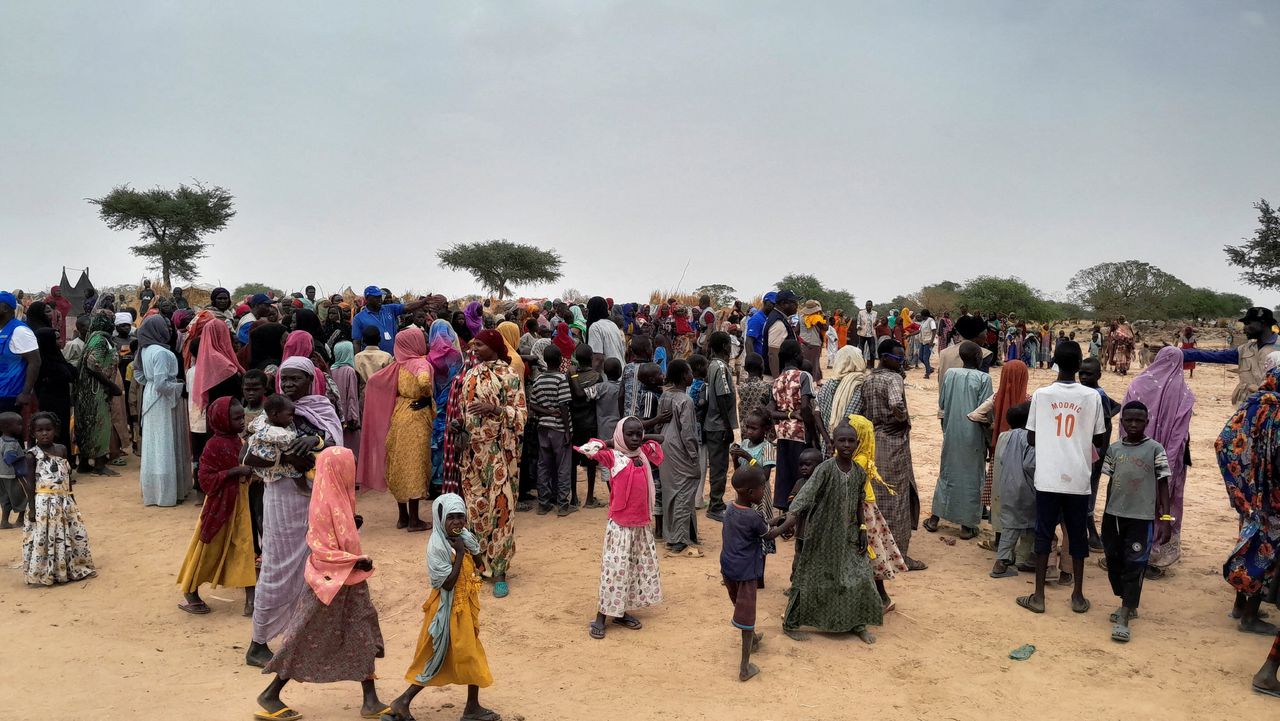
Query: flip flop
x,y
377,714
1082,607
284,714
120,462
1025,602
596,630
966,535
930,528
629,621
1268,691
986,544
501,589
396,717
893,606
690,552
1009,572
196,609
1120,634
914,565
486,716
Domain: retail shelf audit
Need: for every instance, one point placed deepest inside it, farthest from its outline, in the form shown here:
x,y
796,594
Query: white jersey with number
x,y
1065,417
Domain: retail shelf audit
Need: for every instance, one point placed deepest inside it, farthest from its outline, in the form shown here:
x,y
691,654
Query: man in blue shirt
x,y
19,358
755,324
383,316
1258,323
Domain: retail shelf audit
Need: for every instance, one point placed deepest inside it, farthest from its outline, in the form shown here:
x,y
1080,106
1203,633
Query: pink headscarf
x,y
215,363
620,446
1163,390
331,530
380,400
301,345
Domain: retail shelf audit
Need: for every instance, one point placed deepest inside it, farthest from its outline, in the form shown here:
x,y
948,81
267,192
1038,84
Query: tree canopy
x,y
1259,257
992,294
246,289
1140,290
808,287
498,264
172,223
721,294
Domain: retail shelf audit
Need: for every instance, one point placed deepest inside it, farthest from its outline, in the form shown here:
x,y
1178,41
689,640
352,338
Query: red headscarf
x,y
300,344
380,395
215,362
498,344
59,300
564,342
221,454
331,529
1012,392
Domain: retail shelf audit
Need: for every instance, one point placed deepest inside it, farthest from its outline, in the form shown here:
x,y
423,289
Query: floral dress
x,y
490,458
55,546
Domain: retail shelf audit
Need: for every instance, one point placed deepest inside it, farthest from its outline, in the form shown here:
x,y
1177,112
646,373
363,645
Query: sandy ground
x,y
117,644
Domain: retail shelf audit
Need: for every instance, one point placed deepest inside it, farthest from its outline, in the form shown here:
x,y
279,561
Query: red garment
x,y
221,454
1012,392
215,362
564,342
454,446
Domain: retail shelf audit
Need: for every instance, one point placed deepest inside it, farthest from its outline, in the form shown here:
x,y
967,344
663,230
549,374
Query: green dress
x,y
834,587
92,403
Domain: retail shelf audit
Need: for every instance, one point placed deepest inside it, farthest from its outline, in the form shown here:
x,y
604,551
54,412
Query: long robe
x,y
882,400
833,588
489,464
958,495
166,456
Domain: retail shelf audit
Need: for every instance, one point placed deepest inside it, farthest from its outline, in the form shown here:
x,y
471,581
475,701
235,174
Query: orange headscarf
x,y
332,535
1012,392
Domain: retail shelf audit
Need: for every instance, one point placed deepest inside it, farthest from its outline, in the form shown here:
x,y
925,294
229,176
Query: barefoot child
x,y
756,450
679,475
272,433
742,557
1017,480
55,546
833,589
1137,494
629,562
449,649
13,496
334,633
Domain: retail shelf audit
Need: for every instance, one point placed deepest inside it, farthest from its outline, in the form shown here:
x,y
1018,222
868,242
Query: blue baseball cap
x,y
373,291
771,297
9,299
260,299
786,295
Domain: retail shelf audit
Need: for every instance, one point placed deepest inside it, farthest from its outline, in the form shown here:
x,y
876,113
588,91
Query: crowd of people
x,y
271,412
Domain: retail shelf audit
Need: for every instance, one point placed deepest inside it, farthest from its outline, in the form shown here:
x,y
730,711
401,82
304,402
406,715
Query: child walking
x,y
55,546
629,576
449,651
1016,478
756,450
1137,494
742,558
680,475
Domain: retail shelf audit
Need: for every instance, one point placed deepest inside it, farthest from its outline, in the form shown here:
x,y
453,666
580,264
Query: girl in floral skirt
x,y
55,546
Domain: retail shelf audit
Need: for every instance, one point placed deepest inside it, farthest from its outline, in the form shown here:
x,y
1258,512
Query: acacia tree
x,y
1129,288
721,294
498,264
992,294
1260,255
172,223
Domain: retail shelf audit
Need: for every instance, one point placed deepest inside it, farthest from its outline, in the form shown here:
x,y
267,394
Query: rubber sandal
x,y
284,714
629,621
1115,616
986,544
120,462
1009,572
596,630
914,565
930,528
396,717
1081,608
1025,602
688,552
965,535
1120,634
488,715
501,589
377,714
195,609
1268,691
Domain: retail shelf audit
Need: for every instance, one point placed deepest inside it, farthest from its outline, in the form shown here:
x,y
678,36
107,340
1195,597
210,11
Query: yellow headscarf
x,y
906,317
510,333
849,370
866,454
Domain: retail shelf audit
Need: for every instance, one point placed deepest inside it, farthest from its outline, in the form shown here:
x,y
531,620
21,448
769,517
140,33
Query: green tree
x,y
991,294
808,287
1190,303
721,294
172,223
1259,257
498,264
246,289
1130,288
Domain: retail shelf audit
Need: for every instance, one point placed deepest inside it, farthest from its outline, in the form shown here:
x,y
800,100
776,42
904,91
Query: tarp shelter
x,y
76,293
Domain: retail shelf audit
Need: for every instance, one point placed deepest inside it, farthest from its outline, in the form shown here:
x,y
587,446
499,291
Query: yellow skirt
x,y
227,560
465,663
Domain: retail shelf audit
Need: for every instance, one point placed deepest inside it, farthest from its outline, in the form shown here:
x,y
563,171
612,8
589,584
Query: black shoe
x,y
544,510
717,516
566,510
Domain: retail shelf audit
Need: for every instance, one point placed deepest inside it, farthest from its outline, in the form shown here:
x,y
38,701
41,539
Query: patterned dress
x,y
55,546
334,642
92,404
883,401
833,588
489,460
409,438
753,393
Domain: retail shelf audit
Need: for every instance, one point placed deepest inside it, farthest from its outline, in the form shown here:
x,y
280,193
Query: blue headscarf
x,y
439,567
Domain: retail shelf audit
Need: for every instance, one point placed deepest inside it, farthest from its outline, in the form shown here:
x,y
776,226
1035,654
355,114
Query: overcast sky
x,y
878,145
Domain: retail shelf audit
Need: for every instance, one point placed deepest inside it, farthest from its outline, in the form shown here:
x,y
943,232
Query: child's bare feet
x,y
755,642
749,671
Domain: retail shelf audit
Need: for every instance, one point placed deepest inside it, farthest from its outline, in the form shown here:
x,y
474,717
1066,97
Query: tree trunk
x,y
164,270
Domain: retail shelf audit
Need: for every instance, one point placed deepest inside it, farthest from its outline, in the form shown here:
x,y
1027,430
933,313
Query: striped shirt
x,y
551,390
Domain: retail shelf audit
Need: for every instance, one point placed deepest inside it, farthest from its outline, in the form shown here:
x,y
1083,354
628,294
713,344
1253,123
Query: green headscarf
x,y
344,354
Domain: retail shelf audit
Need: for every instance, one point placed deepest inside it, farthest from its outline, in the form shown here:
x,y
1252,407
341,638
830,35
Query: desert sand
x,y
117,647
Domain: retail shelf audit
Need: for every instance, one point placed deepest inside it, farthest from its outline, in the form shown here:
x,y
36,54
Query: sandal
x,y
1028,602
914,565
688,552
1082,607
595,503
284,714
377,714
121,461
1115,616
629,621
501,589
930,525
1120,634
967,533
196,609
596,630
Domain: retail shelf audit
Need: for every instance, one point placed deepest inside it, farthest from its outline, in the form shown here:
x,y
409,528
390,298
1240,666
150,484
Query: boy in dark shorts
x,y
1137,495
742,558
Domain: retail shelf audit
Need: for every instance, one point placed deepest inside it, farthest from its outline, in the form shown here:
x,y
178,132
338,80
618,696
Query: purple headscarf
x,y
315,408
1163,390
474,314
